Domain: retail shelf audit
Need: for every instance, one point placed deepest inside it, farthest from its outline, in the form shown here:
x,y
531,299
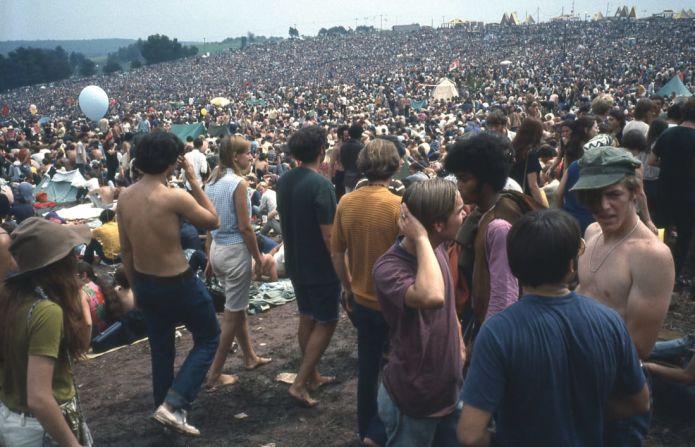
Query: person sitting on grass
x,y
273,264
95,288
105,242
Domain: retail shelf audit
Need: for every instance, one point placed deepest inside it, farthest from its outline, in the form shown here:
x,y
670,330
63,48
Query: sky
x,y
215,20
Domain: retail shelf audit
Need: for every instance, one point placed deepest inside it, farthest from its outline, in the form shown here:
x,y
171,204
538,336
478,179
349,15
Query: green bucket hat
x,y
604,166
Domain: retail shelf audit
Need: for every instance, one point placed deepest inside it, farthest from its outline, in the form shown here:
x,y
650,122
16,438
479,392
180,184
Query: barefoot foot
x,y
222,381
317,382
302,397
258,361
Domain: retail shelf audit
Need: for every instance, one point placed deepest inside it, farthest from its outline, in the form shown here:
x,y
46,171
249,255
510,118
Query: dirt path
x,y
117,398
116,394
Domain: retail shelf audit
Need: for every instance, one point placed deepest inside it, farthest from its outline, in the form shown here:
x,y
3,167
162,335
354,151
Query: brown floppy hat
x,y
37,243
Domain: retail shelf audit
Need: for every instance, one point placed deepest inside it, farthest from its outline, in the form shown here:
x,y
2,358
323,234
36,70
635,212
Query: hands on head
x,y
409,225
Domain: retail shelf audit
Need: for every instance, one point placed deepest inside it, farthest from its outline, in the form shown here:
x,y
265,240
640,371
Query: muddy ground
x,y
116,394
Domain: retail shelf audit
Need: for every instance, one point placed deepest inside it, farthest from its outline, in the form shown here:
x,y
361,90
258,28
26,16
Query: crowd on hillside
x,y
425,218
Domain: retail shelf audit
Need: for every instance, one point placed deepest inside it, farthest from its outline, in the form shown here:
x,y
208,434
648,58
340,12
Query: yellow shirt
x,y
107,234
365,225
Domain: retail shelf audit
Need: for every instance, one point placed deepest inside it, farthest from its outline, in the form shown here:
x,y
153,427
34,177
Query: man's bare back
x,y
634,276
149,224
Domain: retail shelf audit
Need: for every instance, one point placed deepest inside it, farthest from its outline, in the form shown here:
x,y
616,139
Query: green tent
x,y
675,85
182,131
256,102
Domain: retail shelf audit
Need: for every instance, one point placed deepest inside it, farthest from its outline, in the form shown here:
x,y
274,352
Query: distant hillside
x,y
91,48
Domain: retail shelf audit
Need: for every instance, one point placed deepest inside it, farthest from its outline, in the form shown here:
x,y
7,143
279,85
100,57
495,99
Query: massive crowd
x,y
424,217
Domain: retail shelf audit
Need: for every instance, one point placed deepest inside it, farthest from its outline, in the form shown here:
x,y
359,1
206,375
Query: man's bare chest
x,y
610,284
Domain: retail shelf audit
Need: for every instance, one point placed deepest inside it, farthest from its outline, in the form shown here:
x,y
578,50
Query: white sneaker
x,y
175,420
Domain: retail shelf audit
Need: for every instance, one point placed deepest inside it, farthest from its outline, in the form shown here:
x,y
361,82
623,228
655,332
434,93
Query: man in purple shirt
x,y
421,381
481,165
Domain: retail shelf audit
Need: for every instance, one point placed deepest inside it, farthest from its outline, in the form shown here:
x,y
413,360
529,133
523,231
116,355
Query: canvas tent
x,y
63,186
182,131
675,85
445,89
218,131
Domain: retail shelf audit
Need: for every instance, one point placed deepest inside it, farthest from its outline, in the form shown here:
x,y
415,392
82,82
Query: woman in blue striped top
x,y
230,249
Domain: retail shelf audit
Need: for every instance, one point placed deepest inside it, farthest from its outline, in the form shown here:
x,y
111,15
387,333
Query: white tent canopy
x,y
445,89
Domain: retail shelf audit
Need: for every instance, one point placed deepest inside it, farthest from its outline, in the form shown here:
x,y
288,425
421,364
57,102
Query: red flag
x,y
5,110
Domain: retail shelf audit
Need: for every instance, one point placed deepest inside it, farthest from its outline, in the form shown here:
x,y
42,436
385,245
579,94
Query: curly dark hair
x,y
156,151
306,144
487,156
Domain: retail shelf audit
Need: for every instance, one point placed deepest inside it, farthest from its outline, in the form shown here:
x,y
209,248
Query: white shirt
x,y
268,201
199,162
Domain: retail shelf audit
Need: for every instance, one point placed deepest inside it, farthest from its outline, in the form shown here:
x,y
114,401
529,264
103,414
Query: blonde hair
x,y
230,147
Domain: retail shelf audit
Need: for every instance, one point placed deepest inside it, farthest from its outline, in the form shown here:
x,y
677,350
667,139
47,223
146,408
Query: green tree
x,y
27,66
135,64
159,48
294,33
112,66
87,68
244,42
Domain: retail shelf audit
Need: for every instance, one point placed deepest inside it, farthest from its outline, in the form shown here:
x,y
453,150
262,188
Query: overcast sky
x,y
214,20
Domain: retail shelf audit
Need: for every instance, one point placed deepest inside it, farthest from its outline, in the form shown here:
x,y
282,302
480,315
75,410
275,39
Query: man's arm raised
x,y
651,265
429,290
196,207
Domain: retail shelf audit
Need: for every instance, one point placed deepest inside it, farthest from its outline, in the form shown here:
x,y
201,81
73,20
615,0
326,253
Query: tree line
x,y
29,66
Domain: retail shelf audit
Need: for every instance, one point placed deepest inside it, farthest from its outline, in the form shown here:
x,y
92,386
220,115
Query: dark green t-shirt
x,y
306,200
41,336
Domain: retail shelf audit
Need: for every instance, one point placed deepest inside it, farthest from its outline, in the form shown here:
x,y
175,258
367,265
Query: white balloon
x,y
93,102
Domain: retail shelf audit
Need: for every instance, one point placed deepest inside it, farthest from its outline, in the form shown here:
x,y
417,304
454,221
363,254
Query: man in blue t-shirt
x,y
554,366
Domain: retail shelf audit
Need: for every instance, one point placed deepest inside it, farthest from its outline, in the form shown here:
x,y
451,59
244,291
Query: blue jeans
x,y
165,303
630,432
406,431
372,343
673,350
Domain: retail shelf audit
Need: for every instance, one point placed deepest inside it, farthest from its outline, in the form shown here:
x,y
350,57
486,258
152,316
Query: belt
x,y
5,409
165,280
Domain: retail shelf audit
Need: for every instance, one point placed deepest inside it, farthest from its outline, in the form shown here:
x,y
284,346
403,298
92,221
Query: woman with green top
x,y
45,324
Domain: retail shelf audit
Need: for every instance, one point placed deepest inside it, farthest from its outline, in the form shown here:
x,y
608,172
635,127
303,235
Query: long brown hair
x,y
528,137
229,148
59,281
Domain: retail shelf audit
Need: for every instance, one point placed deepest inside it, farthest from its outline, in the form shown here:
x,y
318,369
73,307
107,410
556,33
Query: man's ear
x,y
438,226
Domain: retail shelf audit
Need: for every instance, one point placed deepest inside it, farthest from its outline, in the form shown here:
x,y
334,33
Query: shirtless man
x,y
624,266
165,288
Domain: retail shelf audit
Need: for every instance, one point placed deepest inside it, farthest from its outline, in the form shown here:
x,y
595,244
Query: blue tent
x,y
675,85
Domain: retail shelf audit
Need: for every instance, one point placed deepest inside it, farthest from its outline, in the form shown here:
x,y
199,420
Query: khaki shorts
x,y
232,267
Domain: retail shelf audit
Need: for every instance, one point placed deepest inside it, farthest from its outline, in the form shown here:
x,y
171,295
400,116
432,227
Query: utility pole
x,y
538,15
381,22
608,5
